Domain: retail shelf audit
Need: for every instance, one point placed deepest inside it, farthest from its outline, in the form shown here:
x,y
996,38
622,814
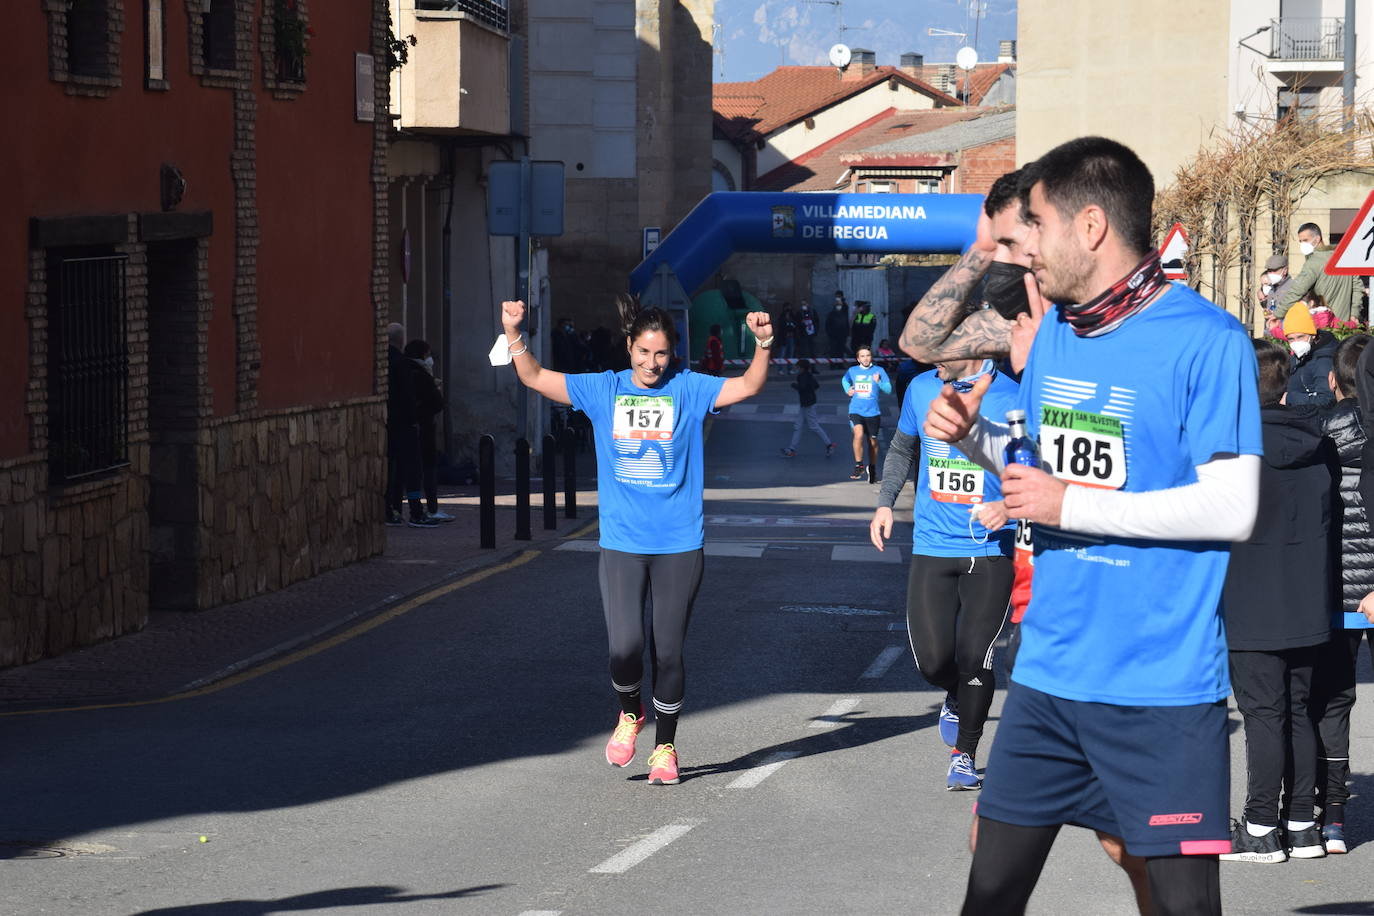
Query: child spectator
x,y
1277,601
806,386
1333,688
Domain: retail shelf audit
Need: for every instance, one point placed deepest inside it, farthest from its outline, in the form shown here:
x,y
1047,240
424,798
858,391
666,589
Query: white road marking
x,y
883,661
761,772
893,627
748,551
542,913
842,610
635,853
831,717
864,553
582,546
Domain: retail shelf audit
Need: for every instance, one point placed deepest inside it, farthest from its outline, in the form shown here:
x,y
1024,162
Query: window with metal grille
x,y
88,365
217,34
491,12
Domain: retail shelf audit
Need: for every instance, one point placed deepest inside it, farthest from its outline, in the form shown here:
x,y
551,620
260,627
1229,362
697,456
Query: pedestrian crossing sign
x,y
1354,255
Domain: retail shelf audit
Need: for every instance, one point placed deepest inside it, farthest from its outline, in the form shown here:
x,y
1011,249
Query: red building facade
x,y
193,265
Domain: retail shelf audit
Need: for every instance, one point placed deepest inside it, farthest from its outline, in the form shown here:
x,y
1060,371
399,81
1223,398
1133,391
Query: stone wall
x,y
73,570
288,495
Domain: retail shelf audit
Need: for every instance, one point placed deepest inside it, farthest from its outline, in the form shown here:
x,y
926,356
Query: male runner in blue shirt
x,y
1142,395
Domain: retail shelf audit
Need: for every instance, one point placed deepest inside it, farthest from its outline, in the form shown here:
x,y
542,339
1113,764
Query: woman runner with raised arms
x,y
649,446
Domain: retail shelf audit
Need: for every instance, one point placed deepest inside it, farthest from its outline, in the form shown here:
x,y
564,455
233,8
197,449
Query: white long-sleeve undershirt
x,y
1220,506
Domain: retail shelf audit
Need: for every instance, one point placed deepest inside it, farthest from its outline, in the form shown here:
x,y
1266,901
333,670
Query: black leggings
x,y
1008,860
955,607
1333,696
625,580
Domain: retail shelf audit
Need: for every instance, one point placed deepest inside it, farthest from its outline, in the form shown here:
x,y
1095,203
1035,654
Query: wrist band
x,y
521,352
519,337
766,344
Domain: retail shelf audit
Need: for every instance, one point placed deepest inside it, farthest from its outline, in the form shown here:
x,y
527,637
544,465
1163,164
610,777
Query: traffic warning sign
x,y
1174,252
1354,255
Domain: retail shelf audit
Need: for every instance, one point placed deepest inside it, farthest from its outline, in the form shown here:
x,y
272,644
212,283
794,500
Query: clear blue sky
x,y
758,35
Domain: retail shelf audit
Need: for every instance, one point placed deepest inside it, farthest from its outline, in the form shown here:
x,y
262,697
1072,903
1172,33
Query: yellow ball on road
x,y
205,839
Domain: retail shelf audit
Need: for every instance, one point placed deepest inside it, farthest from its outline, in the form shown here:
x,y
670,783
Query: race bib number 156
x,y
638,417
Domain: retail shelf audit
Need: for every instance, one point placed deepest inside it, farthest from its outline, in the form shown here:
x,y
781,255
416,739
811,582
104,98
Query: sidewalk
x,y
180,651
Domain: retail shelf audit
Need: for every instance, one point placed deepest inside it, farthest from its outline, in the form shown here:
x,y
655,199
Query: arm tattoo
x,y
940,327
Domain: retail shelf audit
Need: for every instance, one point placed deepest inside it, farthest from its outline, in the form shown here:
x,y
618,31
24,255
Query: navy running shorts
x,y
870,424
1159,777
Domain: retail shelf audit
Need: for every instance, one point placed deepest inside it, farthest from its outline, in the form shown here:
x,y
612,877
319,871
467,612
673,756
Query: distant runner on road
x,y
862,384
649,449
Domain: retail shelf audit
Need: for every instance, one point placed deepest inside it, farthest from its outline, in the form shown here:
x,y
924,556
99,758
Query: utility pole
x,y
1348,83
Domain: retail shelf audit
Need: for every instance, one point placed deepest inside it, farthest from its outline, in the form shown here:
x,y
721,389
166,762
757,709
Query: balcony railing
x,y
1307,39
488,12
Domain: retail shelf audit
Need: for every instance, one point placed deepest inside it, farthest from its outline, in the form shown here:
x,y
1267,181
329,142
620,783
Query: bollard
x,y
522,489
486,482
569,474
550,473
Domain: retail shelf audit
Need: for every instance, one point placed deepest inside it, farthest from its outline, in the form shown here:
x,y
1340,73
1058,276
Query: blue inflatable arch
x,y
729,221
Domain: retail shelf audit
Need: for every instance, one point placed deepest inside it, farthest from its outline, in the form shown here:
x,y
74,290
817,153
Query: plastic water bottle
x,y
1022,448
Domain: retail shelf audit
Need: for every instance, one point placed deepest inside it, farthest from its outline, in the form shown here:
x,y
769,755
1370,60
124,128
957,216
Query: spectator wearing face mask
x,y
1342,294
1274,283
1310,363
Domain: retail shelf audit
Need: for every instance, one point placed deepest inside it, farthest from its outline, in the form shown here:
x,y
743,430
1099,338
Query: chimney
x,y
861,64
947,78
1006,52
912,63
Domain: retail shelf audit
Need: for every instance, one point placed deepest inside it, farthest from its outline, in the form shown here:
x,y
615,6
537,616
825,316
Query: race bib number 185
x,y
1083,448
638,417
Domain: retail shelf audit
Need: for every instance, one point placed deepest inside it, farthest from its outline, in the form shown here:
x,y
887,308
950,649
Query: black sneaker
x,y
425,522
872,473
1305,844
1246,848
857,473
394,519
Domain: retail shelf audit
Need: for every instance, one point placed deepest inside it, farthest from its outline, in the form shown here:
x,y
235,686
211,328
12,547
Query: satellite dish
x,y
966,59
840,56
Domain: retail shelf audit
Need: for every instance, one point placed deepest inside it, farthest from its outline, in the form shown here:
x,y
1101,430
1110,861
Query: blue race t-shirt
x,y
866,383
649,456
1126,621
948,484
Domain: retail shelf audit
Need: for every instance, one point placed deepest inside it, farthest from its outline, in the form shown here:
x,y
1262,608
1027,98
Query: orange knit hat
x,y
1298,321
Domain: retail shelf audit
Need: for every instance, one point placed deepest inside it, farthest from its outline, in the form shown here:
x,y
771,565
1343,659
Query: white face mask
x,y
1306,248
1273,279
1300,348
428,363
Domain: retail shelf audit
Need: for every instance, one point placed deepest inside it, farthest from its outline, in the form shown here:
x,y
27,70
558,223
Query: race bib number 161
x,y
1085,448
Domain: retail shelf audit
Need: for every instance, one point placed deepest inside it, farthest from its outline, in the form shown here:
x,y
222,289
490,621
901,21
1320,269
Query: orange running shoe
x,y
663,766
620,750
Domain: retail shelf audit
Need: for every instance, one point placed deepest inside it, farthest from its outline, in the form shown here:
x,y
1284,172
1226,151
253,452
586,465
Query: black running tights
x,y
955,607
1008,860
626,578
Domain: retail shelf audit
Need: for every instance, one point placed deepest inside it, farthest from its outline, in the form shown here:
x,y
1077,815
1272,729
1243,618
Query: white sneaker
x,y
442,516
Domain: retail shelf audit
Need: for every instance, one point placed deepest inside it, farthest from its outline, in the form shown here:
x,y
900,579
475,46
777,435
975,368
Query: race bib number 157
x,y
638,417
1085,448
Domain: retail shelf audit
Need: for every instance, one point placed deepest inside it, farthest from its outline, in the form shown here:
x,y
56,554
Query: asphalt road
x,y
450,759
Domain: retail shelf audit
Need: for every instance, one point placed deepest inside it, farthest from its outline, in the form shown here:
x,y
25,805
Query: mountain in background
x,y
756,36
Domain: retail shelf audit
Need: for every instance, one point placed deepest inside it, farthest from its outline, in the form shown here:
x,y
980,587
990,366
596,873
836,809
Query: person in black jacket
x,y
403,471
1311,362
429,404
806,386
1277,601
1333,687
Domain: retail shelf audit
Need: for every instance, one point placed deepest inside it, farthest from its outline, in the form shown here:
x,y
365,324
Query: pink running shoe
x,y
663,766
620,750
